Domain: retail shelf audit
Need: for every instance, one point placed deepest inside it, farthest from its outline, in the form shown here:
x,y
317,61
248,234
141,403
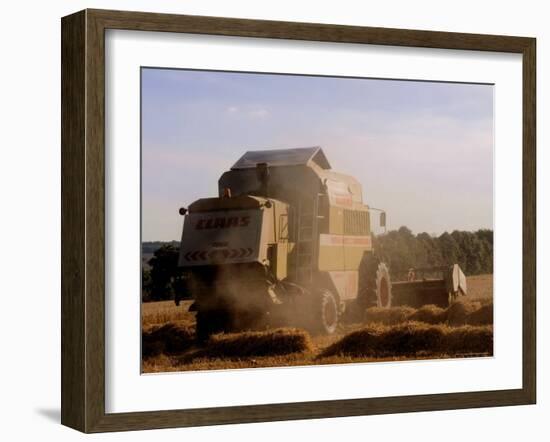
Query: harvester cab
x,y
288,235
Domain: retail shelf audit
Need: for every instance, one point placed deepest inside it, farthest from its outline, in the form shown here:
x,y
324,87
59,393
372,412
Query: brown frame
x,y
83,215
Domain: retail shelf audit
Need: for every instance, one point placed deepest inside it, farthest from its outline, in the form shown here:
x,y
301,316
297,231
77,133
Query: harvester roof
x,y
303,171
302,156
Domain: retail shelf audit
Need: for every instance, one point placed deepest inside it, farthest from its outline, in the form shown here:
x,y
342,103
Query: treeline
x,y
401,249
160,275
473,251
150,247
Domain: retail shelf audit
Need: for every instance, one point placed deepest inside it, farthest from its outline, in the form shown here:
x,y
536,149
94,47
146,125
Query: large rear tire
x,y
327,313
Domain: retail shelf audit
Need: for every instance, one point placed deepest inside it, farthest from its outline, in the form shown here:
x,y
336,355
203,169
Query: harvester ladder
x,y
306,239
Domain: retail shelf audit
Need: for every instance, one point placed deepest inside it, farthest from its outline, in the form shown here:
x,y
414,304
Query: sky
x,y
423,151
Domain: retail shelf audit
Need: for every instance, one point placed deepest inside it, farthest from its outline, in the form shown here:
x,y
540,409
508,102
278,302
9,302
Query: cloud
x,y
249,112
259,113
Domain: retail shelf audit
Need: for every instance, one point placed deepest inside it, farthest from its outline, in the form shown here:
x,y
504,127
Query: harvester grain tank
x,y
289,241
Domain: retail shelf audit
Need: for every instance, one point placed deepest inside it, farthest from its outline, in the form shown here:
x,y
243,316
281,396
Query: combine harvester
x,y
288,241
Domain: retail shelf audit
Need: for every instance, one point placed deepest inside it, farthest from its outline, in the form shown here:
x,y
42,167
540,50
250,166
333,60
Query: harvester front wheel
x,y
327,313
209,322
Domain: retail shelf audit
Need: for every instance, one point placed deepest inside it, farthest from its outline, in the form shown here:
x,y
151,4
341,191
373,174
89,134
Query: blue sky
x,y
423,151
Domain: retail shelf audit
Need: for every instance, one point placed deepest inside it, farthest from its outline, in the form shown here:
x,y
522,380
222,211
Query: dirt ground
x,y
188,356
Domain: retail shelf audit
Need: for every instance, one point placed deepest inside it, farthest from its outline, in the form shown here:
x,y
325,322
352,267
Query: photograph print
x,y
300,220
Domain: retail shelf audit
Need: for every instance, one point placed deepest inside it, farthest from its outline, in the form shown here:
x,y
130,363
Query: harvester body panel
x,y
229,236
222,231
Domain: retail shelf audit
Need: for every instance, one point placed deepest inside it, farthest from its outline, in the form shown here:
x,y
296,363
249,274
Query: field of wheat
x,y
465,329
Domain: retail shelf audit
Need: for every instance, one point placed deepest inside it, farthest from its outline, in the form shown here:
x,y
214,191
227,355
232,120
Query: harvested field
x,y
389,316
154,313
459,313
170,338
236,346
399,333
281,341
430,314
414,338
483,316
480,288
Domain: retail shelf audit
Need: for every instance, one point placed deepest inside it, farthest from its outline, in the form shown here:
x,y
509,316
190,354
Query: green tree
x,y
431,249
473,251
398,248
450,251
485,237
164,270
146,283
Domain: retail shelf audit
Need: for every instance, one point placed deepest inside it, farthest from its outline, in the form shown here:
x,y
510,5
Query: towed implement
x,y
288,241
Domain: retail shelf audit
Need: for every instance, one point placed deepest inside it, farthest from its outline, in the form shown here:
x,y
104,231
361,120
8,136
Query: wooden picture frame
x,y
83,220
